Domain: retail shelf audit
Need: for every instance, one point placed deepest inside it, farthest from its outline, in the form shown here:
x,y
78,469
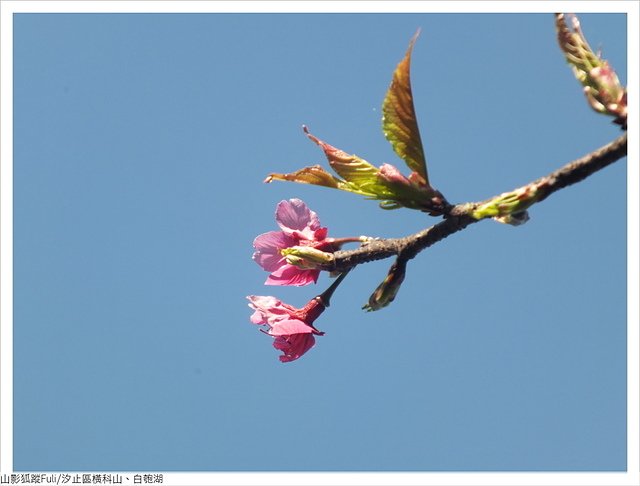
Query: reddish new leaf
x,y
314,174
399,122
360,175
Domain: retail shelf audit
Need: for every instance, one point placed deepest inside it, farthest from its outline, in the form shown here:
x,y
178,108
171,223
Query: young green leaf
x,y
314,174
385,183
317,176
357,172
399,122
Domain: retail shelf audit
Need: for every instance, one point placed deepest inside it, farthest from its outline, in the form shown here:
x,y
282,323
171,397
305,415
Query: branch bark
x,y
459,216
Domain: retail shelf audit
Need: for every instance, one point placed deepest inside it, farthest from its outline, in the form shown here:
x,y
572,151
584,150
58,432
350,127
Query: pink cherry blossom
x,y
294,346
291,327
299,227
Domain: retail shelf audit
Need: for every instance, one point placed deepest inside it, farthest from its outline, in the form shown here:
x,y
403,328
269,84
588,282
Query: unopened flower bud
x,y
602,87
388,289
306,257
509,207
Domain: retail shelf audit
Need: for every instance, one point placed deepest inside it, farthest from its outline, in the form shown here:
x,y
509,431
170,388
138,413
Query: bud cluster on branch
x,y
301,249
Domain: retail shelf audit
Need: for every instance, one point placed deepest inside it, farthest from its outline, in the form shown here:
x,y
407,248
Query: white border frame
x,y
631,8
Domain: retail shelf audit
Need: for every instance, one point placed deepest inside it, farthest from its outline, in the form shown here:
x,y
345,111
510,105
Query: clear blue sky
x,y
141,143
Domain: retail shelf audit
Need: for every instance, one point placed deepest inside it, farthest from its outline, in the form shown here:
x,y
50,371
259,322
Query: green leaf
x,y
576,48
509,207
358,174
315,175
385,183
399,122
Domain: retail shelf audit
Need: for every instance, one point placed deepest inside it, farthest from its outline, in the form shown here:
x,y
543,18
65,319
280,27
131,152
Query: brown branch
x,y
459,216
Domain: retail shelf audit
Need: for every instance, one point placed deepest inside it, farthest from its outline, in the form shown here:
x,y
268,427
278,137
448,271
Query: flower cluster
x,y
291,255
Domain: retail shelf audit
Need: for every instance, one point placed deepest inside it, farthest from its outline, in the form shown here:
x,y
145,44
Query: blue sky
x,y
140,146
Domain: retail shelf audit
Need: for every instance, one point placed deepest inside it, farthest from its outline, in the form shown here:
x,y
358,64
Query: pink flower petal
x,y
293,346
320,234
268,246
295,218
289,327
268,309
263,301
291,275
273,240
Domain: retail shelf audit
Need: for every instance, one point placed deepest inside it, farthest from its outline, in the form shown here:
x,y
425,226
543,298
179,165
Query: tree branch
x,y
460,216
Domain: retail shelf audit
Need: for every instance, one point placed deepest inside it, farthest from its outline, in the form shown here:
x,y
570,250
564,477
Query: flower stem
x,y
351,239
326,295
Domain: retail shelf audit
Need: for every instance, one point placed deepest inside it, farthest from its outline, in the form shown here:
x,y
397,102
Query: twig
x,y
459,215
